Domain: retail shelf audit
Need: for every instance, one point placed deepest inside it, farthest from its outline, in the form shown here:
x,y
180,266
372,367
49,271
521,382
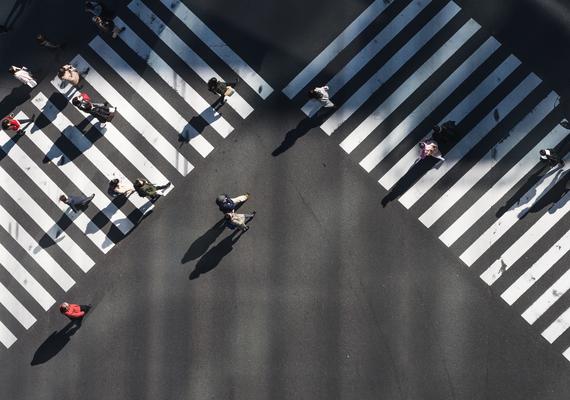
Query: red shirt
x,y
74,311
14,124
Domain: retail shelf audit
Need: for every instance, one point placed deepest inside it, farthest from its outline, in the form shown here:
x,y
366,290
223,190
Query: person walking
x,y
107,26
94,7
74,311
102,111
10,123
429,147
223,89
68,73
44,42
322,95
235,220
117,188
77,203
551,157
227,204
23,75
146,189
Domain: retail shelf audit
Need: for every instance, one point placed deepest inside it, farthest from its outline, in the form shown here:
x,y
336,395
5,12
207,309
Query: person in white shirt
x,y
23,75
322,95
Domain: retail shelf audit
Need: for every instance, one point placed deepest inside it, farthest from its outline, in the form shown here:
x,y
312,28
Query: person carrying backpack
x,y
146,189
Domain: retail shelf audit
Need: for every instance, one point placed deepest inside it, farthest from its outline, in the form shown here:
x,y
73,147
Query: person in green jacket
x,y
146,189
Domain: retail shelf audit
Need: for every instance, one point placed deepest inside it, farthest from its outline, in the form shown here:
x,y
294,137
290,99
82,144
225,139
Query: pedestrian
x,y
10,123
74,311
102,111
107,25
44,42
117,188
93,7
565,124
235,220
146,189
228,204
551,157
322,95
68,73
23,75
77,203
429,147
223,89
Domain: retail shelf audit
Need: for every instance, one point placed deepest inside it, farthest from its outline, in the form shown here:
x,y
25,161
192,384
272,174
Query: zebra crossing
x,y
401,67
165,126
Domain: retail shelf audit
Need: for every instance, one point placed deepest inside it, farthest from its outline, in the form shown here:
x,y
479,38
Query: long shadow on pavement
x,y
212,258
55,342
201,245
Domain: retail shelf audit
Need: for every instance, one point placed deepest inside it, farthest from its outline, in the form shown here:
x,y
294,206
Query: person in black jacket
x,y
551,157
226,204
222,89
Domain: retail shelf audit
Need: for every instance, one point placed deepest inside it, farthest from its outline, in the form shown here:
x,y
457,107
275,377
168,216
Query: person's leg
x,y
163,186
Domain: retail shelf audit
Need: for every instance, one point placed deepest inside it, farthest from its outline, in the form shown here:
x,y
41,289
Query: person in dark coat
x,y
102,111
551,157
146,189
222,89
226,204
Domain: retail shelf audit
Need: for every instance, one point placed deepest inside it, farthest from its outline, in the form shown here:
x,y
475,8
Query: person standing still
x,y
322,95
73,311
551,157
23,75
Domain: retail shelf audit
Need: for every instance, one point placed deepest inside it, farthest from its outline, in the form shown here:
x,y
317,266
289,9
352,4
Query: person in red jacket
x,y
10,123
73,311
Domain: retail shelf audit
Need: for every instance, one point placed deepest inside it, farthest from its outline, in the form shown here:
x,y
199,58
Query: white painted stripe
x,y
82,182
6,337
134,118
470,140
538,269
389,179
566,353
489,161
185,53
30,245
547,299
411,84
175,81
151,96
25,279
368,52
558,327
527,240
53,192
499,189
516,212
219,47
86,147
402,56
120,142
423,111
335,47
16,308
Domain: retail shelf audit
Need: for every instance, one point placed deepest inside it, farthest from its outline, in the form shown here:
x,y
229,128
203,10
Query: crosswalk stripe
x,y
82,182
51,190
499,189
558,327
537,270
11,303
512,216
402,56
368,52
470,140
411,84
220,48
389,179
488,161
6,337
32,247
547,299
151,96
423,111
25,279
566,353
527,240
185,53
335,47
120,142
85,146
175,81
134,118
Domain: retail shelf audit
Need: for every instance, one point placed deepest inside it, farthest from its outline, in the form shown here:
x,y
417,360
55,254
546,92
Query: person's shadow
x,y
201,245
212,258
56,342
302,128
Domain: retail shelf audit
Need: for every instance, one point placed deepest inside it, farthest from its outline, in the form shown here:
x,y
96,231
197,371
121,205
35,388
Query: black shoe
x,y
254,212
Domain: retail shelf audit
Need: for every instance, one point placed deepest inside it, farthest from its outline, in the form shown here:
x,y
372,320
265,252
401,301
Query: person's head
x,y
40,38
113,183
5,124
63,198
63,307
436,128
542,152
422,145
220,199
138,183
13,69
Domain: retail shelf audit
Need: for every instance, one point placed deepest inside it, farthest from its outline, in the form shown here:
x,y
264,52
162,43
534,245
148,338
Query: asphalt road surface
x,y
358,278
